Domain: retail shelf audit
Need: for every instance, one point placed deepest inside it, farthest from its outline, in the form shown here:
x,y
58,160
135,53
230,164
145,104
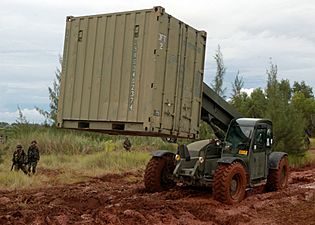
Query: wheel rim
x,y
167,173
235,186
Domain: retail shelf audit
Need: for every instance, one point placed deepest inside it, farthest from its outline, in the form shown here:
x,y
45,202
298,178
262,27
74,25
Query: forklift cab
x,y
251,140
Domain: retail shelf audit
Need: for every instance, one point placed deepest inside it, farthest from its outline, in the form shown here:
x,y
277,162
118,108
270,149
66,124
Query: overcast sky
x,y
249,33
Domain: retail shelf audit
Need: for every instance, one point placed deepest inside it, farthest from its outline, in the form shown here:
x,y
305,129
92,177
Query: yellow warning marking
x,y
242,152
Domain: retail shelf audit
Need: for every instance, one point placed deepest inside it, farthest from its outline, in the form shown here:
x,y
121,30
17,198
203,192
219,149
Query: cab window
x,y
260,139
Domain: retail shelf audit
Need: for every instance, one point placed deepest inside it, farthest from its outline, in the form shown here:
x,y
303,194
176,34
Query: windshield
x,y
238,136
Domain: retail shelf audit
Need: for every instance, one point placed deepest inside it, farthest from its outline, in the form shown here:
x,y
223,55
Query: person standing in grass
x,y
33,157
127,144
19,159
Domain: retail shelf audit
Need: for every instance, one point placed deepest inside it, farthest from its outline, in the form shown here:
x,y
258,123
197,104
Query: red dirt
x,y
121,199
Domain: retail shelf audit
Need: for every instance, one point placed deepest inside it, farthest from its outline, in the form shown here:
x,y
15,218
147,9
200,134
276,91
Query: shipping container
x,y
137,72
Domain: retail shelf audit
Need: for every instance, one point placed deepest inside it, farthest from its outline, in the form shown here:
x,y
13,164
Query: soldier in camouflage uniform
x,y
127,144
33,157
19,159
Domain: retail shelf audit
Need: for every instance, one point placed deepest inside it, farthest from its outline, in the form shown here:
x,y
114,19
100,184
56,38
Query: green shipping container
x,y
137,72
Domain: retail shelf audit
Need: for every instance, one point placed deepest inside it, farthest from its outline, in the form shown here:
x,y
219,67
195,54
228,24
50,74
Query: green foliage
x,y
21,118
54,169
105,161
254,105
205,131
289,112
257,104
237,85
287,121
241,103
3,149
306,106
303,88
238,98
54,91
52,140
298,161
69,156
4,124
217,84
14,180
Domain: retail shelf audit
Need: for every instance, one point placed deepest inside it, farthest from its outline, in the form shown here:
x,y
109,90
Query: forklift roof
x,y
252,121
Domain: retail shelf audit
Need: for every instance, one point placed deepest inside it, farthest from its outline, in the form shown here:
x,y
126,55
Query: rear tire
x,y
229,183
278,178
158,173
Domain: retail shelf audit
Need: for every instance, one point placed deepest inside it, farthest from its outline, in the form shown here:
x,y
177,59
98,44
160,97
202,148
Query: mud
x,y
121,199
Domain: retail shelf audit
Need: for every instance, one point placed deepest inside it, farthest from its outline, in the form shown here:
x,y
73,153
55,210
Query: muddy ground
x,y
121,199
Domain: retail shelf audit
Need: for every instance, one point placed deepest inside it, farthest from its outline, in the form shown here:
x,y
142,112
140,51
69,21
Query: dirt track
x,y
120,199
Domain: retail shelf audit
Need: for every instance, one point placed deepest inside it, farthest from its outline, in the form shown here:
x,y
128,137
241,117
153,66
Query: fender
x,y
274,159
161,153
230,160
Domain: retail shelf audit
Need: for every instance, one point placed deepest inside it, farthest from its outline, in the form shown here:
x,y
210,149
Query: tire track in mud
x,y
121,199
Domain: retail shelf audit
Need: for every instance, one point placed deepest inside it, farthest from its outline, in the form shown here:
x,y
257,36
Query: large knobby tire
x,y
158,173
229,183
278,178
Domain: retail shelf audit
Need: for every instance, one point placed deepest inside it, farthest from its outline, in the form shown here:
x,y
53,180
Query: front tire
x,y
229,183
158,173
278,178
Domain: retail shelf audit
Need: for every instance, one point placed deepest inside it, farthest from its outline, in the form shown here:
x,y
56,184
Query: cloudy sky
x,y
249,33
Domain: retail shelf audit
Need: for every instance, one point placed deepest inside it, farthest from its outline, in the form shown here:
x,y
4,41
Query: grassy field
x,y
308,158
312,143
71,156
60,168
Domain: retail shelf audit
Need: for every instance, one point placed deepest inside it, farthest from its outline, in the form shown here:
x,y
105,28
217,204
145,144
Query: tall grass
x,y
97,163
68,156
18,180
297,161
59,141
55,169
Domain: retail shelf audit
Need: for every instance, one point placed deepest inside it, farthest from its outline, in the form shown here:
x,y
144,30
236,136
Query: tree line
x,y
290,107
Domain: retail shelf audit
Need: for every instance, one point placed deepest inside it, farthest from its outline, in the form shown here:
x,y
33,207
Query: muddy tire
x,y
158,173
229,183
278,178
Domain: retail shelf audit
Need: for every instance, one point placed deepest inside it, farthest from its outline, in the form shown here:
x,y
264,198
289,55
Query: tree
x,y
288,123
237,85
303,100
204,131
4,124
253,105
303,88
21,118
54,91
217,84
257,103
306,106
239,99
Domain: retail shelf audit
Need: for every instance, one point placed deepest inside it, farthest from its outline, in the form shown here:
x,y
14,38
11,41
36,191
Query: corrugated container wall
x,y
137,72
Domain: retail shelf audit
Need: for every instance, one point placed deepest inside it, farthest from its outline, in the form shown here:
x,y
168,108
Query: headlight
x,y
201,159
177,157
